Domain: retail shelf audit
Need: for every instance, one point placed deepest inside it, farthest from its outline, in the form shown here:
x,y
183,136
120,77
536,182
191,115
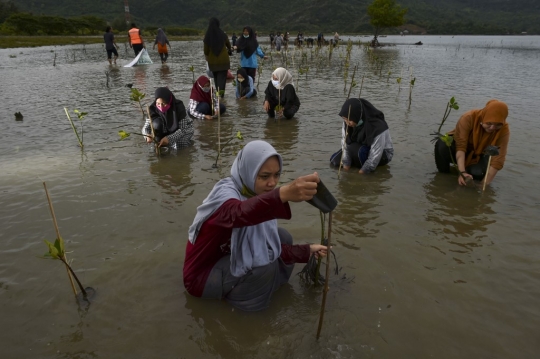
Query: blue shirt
x,y
251,62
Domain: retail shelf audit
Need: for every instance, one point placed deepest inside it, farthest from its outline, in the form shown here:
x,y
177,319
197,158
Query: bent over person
x,y
235,250
476,130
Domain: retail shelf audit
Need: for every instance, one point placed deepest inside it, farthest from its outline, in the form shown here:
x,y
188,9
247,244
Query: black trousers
x,y
443,159
220,78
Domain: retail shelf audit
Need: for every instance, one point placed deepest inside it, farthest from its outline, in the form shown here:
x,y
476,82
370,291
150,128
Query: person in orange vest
x,y
135,39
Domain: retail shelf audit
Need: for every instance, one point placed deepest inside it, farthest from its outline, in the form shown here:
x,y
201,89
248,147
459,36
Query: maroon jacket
x,y
214,239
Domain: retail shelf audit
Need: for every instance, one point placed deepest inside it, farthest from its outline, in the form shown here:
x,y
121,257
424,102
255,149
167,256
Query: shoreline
x,y
11,42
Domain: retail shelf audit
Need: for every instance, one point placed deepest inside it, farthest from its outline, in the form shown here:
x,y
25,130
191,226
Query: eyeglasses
x,y
494,125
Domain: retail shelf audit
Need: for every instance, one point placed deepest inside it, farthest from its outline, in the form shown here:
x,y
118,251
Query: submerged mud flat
x,y
428,268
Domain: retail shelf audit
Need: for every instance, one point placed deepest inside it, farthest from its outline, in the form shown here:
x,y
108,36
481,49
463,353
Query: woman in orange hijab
x,y
474,131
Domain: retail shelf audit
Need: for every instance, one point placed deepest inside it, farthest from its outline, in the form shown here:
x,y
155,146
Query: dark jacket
x,y
221,62
288,96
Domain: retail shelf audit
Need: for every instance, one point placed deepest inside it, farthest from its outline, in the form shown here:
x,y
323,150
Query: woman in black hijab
x,y
367,138
216,53
171,125
249,49
244,85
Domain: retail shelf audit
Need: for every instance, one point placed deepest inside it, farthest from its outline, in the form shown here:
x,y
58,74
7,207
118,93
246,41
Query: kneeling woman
x,y
474,131
367,138
280,92
235,250
244,85
203,103
172,126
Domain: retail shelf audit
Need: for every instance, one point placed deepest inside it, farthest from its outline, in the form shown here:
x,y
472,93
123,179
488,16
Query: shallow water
x,y
428,269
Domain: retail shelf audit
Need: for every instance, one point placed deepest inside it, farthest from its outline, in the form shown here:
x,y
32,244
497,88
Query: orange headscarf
x,y
495,111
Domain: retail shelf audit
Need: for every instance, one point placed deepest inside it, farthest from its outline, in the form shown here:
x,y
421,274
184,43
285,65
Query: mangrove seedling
x,y
192,69
388,77
57,251
137,96
80,115
18,116
451,105
411,85
237,136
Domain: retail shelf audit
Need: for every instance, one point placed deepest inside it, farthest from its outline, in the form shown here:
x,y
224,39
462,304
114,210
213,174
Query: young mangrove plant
x,y
137,96
57,251
238,136
446,138
80,115
411,85
192,69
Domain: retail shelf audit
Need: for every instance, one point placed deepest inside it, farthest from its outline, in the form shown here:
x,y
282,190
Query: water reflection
x,y
235,334
358,211
461,216
172,172
283,135
165,75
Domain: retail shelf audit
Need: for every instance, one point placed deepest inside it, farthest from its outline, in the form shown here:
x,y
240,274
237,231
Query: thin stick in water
x,y
325,290
486,176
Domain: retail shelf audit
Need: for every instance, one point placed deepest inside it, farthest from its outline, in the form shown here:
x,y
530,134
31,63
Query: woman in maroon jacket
x,y
236,250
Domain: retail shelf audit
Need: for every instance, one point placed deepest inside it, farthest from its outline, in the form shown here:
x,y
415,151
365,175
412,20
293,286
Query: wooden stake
x,y
325,290
343,147
487,171
58,236
152,129
219,126
361,85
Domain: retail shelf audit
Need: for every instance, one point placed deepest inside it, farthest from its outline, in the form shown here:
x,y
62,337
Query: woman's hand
x,y
243,98
466,178
301,189
148,139
164,141
208,117
318,250
266,106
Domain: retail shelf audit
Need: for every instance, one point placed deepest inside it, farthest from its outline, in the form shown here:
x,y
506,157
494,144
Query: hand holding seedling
x,y
318,250
301,189
464,179
266,106
164,142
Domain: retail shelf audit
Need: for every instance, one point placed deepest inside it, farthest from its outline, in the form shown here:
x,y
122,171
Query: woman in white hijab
x,y
236,250
280,92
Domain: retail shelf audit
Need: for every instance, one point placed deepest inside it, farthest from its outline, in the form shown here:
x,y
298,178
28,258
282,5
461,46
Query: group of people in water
x,y
236,251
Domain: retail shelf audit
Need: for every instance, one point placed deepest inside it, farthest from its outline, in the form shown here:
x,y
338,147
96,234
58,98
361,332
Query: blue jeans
x,y
204,108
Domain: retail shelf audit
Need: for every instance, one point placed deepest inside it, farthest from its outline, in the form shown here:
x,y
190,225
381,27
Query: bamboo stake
x,y
219,126
325,290
343,149
352,81
58,236
152,129
487,172
361,85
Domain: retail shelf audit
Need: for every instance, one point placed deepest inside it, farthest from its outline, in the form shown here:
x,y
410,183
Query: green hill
x,y
344,16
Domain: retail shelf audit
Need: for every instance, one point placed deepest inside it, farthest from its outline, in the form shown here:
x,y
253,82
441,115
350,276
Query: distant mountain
x,y
349,16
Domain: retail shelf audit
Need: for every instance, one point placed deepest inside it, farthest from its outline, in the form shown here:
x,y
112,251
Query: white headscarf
x,y
251,246
284,77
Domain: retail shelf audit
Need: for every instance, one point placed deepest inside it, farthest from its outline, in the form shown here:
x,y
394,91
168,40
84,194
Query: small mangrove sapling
x,y
137,96
80,115
237,136
57,251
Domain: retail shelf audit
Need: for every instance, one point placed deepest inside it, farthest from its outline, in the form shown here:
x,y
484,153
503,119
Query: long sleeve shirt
x,y
214,238
381,144
251,62
192,109
179,138
239,88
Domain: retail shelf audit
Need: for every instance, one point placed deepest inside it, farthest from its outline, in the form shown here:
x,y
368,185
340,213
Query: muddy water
x,y
428,269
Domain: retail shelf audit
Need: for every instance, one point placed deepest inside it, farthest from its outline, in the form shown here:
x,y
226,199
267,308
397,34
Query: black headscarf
x,y
215,37
249,45
165,123
373,120
242,72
